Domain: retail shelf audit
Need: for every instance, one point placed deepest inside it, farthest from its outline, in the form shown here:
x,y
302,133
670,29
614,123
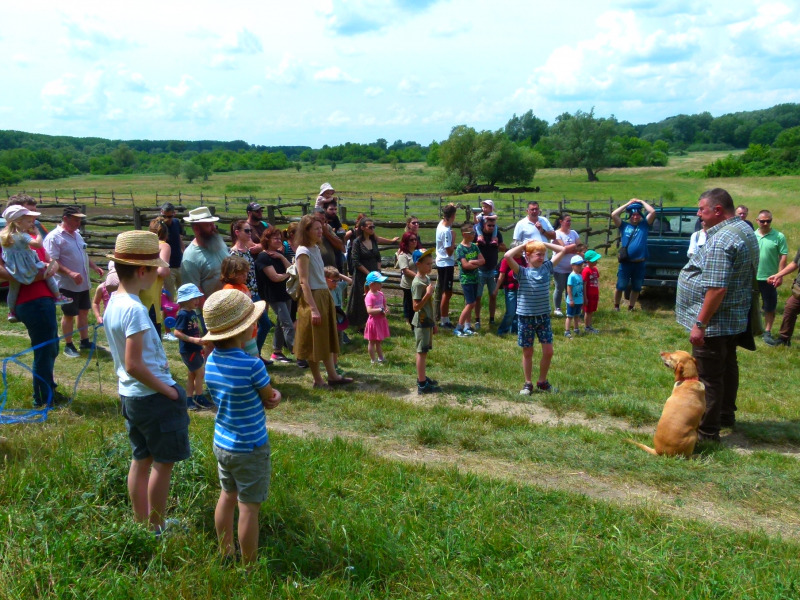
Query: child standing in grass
x,y
234,271
377,327
337,284
154,406
102,294
533,308
190,345
591,288
468,257
240,385
422,292
574,297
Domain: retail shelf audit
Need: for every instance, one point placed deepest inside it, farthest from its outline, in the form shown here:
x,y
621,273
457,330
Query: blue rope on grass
x,y
10,416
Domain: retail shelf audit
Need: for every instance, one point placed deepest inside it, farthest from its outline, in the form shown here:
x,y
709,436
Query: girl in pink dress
x,y
377,327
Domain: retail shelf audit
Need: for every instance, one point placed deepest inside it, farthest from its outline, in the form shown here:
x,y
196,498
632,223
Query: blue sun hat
x,y
188,291
635,208
376,277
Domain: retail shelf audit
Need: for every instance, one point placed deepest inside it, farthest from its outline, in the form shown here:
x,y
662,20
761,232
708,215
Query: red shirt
x,y
511,282
37,289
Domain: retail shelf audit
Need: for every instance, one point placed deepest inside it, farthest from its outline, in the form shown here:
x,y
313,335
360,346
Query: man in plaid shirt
x,y
713,300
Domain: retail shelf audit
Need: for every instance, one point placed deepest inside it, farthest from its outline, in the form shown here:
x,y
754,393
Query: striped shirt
x,y
234,378
728,259
533,295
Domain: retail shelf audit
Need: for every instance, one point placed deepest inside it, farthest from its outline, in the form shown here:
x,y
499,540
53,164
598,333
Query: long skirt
x,y
316,342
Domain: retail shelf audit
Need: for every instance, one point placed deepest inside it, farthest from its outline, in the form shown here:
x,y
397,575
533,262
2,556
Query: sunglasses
x,y
765,220
370,227
247,230
414,222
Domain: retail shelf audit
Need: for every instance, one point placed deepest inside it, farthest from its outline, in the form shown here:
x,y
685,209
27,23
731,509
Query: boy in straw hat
x,y
240,386
154,406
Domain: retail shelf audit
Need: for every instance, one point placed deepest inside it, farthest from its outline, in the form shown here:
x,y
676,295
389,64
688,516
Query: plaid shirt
x,y
728,260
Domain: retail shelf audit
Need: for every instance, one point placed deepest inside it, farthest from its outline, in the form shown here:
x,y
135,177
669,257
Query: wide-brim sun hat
x,y
228,313
137,247
376,277
325,187
17,211
189,291
200,215
489,202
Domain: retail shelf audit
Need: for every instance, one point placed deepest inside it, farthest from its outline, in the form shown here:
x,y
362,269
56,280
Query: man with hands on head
x,y
633,246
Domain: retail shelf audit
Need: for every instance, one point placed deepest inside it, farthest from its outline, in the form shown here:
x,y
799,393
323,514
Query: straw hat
x,y
137,248
229,312
200,215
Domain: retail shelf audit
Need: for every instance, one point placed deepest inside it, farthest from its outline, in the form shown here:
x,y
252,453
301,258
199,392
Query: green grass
x,y
476,493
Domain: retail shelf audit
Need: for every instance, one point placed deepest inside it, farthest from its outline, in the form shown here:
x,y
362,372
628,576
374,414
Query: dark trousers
x,y
719,371
39,318
790,311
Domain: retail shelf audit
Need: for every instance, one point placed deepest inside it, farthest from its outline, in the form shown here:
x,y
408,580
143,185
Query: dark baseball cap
x,y
253,206
72,211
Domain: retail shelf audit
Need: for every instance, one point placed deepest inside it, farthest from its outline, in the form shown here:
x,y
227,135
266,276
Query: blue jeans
x,y
39,317
509,322
264,325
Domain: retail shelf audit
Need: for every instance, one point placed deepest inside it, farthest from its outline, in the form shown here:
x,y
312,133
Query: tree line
x,y
512,154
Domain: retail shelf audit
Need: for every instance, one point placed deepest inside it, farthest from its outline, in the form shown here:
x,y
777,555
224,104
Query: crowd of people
x,y
219,294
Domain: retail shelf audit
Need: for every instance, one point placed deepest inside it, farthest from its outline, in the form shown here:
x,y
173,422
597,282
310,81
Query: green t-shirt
x,y
424,316
770,249
470,252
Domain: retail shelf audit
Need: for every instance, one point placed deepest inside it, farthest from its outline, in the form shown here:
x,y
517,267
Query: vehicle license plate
x,y
667,272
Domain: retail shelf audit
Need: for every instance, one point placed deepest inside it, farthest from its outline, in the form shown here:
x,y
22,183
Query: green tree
x,y
191,170
582,141
172,167
457,154
527,127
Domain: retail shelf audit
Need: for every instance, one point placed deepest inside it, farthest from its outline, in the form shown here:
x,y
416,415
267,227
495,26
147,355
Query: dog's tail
x,y
647,449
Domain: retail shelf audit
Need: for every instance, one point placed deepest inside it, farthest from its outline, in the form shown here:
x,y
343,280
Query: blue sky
x,y
331,71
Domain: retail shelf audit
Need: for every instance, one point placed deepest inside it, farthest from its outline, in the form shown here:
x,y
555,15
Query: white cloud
x,y
288,72
338,118
180,90
334,75
373,91
221,61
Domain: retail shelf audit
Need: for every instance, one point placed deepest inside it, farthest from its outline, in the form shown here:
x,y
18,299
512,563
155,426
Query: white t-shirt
x,y
444,239
525,231
126,316
571,237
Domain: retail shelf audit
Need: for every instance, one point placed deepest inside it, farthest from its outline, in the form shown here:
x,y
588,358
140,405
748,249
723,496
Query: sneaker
x,y
447,325
568,335
70,351
303,364
431,381
577,333
377,363
280,357
526,389
616,307
427,388
87,345
558,312
267,363
459,333
544,386
12,318
491,321
767,337
190,404
778,341
477,326
345,339
470,331
590,329
204,403
708,437
59,398
63,300
170,528
631,308
169,337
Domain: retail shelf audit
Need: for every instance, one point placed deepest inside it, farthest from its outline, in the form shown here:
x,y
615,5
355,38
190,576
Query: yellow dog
x,y
676,432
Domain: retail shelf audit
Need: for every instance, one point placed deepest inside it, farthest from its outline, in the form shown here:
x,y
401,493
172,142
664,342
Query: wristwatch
x,y
700,325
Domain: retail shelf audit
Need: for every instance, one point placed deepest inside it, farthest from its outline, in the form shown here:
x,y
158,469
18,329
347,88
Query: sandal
x,y
340,381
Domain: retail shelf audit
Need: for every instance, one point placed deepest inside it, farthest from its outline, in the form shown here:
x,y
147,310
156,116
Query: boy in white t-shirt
x,y
153,404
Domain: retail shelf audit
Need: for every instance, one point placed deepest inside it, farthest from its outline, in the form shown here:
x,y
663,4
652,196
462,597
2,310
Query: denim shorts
x,y
470,292
246,473
157,426
538,325
630,273
486,279
574,311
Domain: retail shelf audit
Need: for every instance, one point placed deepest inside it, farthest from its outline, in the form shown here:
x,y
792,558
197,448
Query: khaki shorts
x,y
424,338
246,473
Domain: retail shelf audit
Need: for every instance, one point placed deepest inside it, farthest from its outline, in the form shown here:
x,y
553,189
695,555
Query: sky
x,y
315,72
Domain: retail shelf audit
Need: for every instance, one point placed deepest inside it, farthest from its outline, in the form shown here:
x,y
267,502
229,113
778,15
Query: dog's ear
x,y
679,370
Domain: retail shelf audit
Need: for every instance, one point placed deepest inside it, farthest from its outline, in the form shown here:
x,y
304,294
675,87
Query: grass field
x,y
474,493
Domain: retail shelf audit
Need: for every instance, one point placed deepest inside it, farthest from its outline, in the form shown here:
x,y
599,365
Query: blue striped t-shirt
x,y
533,295
234,377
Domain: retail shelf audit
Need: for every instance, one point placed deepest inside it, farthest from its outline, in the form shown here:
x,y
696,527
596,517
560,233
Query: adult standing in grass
x,y
408,270
772,252
445,266
176,245
365,258
412,226
713,301
257,226
569,238
65,245
792,306
243,245
490,249
271,276
316,338
633,248
742,211
533,227
203,257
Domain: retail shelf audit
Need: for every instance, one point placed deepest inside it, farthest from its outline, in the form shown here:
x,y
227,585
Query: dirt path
x,y
629,495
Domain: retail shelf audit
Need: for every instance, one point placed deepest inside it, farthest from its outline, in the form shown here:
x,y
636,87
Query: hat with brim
x,y
576,260
189,291
325,187
200,215
635,208
137,248
16,212
375,277
342,322
489,202
227,313
591,256
72,211
420,254
112,279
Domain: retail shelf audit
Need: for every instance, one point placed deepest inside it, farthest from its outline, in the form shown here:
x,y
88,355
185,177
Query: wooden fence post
x,y
137,218
371,205
271,214
588,223
405,207
113,199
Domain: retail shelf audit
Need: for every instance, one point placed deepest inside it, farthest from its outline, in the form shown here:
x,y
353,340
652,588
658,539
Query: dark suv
x,y
667,245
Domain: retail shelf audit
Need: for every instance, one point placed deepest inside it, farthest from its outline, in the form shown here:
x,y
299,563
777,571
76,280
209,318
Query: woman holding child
x,y
316,338
271,276
365,258
242,243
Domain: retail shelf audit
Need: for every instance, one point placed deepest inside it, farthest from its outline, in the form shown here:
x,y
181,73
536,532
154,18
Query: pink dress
x,y
377,327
